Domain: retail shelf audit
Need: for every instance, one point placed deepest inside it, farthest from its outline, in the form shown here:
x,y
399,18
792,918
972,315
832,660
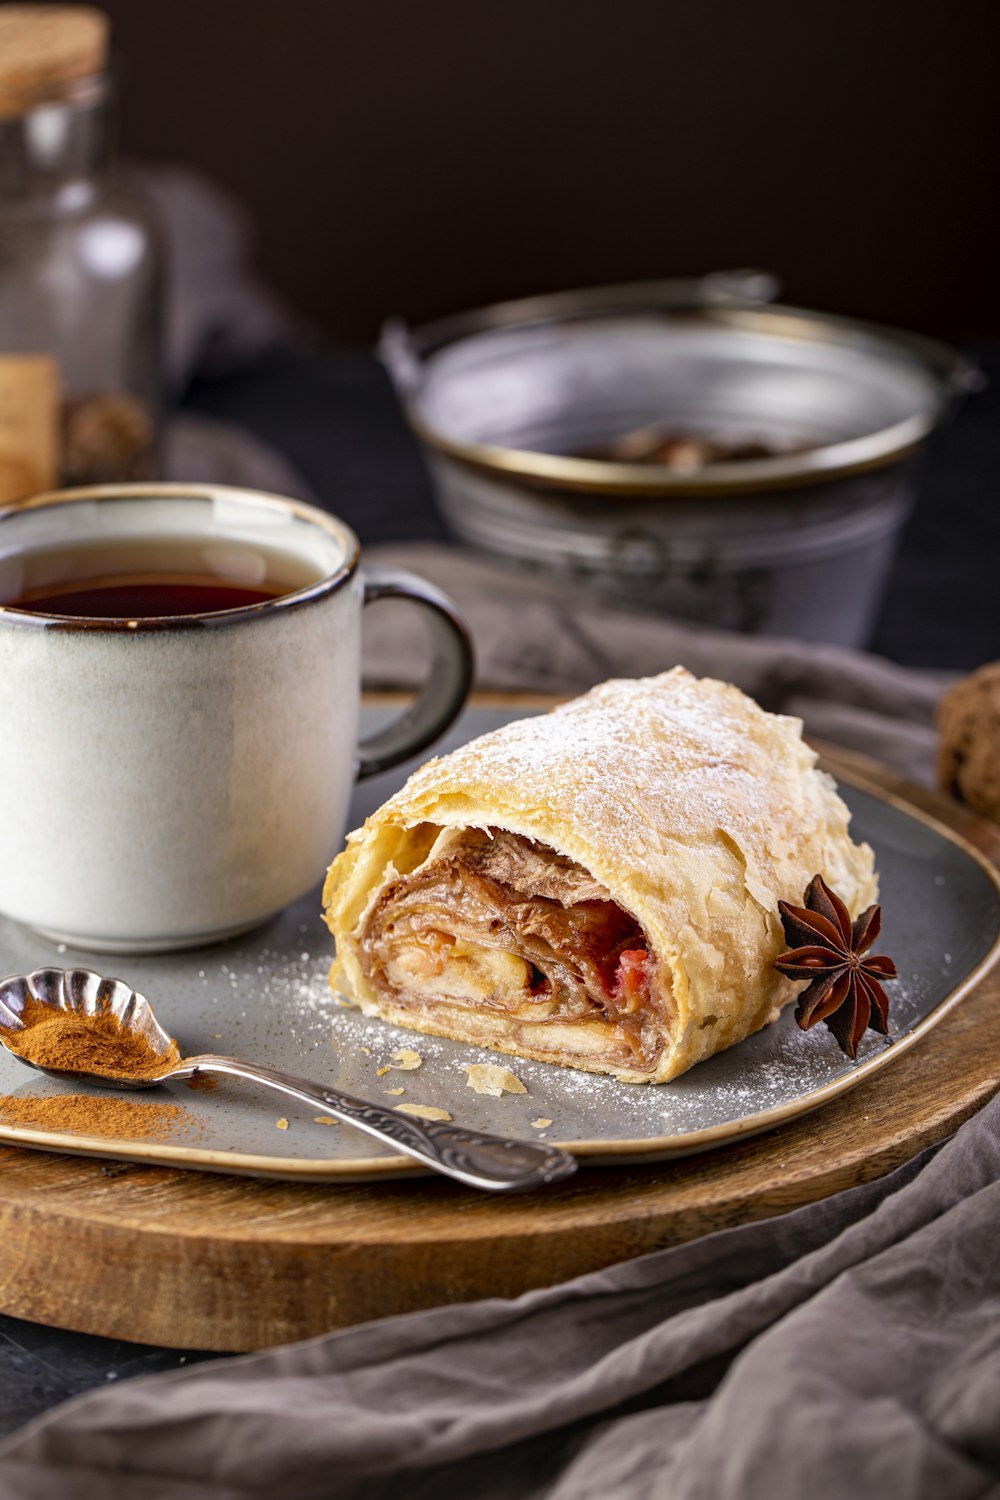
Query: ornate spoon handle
x,y
479,1160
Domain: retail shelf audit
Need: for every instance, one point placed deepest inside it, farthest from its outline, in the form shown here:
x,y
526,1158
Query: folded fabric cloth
x,y
851,1348
219,315
539,634
201,450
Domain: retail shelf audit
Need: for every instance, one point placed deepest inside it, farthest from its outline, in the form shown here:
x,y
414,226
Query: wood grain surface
x,y
194,1260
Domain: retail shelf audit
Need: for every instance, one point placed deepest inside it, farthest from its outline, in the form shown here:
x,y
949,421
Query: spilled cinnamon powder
x,y
71,1042
128,1119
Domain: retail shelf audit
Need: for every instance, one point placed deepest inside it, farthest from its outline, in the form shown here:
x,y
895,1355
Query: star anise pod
x,y
826,947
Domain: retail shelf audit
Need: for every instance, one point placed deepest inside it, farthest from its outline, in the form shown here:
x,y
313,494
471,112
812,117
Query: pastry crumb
x,y
282,1124
423,1111
381,1072
366,1050
541,1123
325,1120
395,1092
492,1079
405,1059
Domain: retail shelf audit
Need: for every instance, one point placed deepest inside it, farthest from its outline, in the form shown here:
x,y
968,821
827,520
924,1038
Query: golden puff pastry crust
x,y
669,814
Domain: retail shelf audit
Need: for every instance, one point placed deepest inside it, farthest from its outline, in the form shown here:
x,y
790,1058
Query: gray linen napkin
x,y
533,633
848,1349
219,315
202,450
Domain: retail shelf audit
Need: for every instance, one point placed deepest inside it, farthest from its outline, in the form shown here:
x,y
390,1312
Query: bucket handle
x,y
402,350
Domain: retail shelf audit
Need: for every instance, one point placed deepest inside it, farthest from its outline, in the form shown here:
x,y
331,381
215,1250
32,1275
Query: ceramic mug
x,y
176,761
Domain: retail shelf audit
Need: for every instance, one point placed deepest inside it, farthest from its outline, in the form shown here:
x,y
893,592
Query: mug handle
x,y
448,681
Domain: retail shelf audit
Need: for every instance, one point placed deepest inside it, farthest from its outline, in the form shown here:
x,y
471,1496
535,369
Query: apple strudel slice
x,y
597,886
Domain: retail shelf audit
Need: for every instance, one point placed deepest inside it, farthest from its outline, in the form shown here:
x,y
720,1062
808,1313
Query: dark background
x,y
419,159
423,158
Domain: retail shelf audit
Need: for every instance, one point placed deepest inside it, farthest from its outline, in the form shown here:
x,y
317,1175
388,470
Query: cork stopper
x,y
46,48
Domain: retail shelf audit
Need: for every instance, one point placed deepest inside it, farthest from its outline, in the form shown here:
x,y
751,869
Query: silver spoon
x,y
493,1162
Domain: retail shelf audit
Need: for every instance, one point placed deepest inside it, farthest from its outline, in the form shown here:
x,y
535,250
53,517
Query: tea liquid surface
x,y
150,578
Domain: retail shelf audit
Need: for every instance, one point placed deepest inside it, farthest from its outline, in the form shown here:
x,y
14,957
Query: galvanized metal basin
x,y
508,401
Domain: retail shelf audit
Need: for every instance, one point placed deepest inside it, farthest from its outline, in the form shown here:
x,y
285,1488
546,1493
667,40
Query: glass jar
x,y
80,302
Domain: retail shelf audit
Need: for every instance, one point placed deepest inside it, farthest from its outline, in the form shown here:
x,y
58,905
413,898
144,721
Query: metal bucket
x,y
508,401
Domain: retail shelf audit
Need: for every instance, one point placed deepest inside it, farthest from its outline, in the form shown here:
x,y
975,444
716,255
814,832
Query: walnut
x,y
968,762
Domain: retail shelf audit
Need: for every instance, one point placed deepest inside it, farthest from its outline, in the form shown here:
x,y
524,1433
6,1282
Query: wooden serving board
x,y
192,1260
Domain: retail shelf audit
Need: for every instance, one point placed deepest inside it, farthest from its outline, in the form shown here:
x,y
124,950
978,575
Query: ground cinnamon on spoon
x,y
69,1041
73,1042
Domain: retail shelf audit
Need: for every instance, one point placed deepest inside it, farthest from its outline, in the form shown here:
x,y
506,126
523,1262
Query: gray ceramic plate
x,y
265,998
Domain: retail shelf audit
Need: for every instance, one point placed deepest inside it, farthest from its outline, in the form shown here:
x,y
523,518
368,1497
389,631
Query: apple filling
x,y
495,923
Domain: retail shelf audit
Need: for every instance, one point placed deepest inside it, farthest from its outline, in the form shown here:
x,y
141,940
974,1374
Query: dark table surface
x,y
334,415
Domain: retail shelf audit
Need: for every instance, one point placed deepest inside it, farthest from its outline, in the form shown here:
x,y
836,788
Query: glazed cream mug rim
x,y
139,500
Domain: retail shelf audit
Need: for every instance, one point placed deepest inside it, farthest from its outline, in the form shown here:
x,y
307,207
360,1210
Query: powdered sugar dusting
x,y
621,736
769,1071
651,764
